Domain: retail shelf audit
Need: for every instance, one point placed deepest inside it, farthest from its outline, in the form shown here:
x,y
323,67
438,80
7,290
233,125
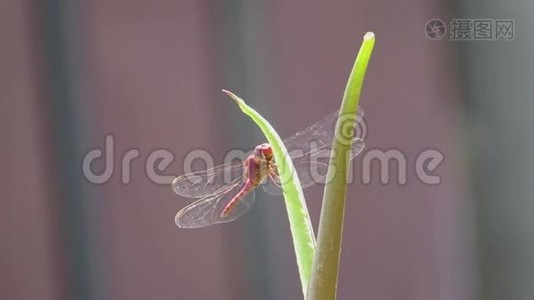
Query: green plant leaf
x,y
297,211
323,282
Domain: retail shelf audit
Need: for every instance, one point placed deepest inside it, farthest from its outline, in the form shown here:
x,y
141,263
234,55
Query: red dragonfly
x,y
228,191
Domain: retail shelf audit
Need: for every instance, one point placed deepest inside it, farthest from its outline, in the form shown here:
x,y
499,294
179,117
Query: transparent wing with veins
x,y
317,137
207,211
205,183
309,150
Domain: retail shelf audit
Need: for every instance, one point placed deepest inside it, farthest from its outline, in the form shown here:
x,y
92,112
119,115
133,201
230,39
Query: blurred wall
x,y
498,84
149,73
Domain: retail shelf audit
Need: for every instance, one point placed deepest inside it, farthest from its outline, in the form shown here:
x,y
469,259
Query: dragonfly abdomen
x,y
247,187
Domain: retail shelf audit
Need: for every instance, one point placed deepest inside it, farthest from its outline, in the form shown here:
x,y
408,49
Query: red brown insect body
x,y
257,166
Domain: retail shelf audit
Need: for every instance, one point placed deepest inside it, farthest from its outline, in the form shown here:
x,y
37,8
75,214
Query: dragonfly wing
x,y
317,136
313,166
207,211
357,147
309,173
205,183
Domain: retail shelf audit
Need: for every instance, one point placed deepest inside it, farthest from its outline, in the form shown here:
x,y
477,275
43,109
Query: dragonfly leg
x,y
275,178
273,168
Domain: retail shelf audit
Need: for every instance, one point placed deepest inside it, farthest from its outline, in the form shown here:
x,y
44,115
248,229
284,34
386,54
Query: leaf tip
x,y
233,96
229,94
369,36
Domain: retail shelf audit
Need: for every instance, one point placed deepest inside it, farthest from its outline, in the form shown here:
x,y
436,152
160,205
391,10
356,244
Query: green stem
x,y
299,219
323,282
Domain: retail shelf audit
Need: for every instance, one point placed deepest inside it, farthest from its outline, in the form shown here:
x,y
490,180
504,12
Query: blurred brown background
x,y
150,74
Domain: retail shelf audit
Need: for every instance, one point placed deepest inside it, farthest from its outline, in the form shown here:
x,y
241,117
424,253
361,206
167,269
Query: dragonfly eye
x,y
266,151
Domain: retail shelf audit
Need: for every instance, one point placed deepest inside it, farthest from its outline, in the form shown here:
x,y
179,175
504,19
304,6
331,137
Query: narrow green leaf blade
x,y
323,282
299,219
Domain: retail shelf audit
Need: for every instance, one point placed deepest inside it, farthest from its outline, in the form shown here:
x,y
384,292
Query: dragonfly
x,y
227,191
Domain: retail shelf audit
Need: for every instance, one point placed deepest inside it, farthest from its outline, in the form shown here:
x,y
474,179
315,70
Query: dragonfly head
x,y
264,150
